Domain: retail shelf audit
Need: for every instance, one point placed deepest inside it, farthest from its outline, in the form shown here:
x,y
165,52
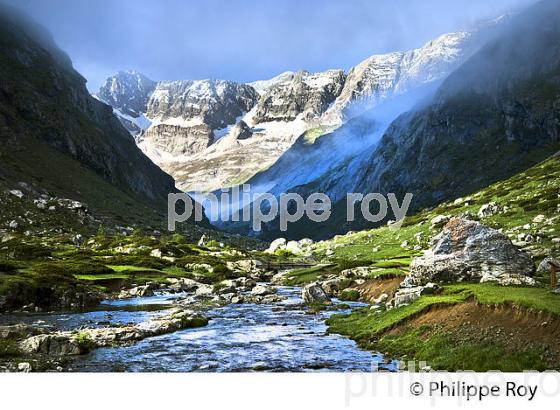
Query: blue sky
x,y
245,40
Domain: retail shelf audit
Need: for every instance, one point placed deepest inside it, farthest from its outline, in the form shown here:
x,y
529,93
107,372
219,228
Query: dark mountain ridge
x,y
56,136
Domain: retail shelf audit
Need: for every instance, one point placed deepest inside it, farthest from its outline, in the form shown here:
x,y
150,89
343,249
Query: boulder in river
x,y
261,290
82,341
313,292
468,251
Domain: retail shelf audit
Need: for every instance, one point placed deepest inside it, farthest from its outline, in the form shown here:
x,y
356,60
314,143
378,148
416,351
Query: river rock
x,y
261,290
18,331
138,291
80,342
52,344
205,291
183,284
465,251
313,292
237,299
262,275
240,284
262,299
279,278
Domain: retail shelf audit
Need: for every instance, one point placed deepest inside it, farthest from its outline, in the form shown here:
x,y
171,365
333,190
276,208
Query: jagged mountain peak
x,y
127,91
383,75
262,86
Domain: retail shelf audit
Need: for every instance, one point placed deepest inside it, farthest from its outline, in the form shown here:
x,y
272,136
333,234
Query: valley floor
x,y
475,326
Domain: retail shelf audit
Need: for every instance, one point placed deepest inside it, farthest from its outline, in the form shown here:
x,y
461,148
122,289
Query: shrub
x,y
349,295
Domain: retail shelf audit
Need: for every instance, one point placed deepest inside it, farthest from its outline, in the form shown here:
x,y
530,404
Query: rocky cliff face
x,y
300,94
216,103
187,116
55,134
128,92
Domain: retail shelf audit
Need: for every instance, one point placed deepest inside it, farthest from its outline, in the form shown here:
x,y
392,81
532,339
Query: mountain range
x,y
211,134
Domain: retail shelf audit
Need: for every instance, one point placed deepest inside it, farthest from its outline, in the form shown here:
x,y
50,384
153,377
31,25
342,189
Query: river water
x,y
239,337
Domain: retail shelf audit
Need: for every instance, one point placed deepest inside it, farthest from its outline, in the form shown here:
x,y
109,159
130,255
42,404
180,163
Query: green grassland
x,y
447,350
523,197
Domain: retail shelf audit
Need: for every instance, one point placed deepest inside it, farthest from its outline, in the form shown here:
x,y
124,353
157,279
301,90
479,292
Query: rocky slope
x,y
382,76
495,116
56,138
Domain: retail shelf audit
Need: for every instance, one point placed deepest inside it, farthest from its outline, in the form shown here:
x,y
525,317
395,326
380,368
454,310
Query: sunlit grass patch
x,y
540,299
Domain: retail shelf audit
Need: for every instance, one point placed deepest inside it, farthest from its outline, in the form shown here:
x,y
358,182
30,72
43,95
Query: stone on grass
x,y
547,263
489,209
276,244
466,251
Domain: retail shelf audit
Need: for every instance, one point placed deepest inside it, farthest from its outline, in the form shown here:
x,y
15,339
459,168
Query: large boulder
x,y
262,290
313,292
468,251
276,244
